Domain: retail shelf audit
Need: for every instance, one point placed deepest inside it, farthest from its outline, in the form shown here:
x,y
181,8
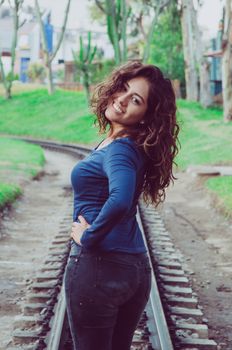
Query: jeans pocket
x,y
116,282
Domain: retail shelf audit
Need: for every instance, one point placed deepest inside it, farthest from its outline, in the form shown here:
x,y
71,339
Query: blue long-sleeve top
x,y
107,185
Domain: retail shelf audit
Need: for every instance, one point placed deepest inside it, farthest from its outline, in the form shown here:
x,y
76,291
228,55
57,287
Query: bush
x,y
98,71
36,72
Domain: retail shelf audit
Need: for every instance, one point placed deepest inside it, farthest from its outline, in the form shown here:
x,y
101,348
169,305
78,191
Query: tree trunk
x,y
149,38
124,34
7,79
48,58
4,81
49,77
159,8
188,23
112,29
205,95
227,63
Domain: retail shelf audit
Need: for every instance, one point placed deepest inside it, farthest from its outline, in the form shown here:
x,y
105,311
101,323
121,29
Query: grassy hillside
x,y
19,161
204,137
221,187
64,116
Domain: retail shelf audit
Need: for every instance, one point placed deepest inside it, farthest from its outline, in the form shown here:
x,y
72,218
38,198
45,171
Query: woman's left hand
x,y
78,228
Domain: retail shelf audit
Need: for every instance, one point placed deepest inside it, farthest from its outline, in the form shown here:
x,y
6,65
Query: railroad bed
x,y
172,319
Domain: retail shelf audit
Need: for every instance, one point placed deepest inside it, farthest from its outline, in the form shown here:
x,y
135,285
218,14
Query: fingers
x,y
78,228
83,221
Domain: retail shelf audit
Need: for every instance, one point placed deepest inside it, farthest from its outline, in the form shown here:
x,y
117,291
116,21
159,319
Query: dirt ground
x,y
26,233
204,237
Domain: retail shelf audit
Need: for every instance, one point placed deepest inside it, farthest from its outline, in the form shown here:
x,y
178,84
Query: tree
x,y
48,56
190,48
205,94
158,6
227,62
166,47
83,62
8,79
116,13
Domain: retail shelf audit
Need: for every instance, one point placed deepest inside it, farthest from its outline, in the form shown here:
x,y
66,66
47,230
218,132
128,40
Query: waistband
x,y
77,250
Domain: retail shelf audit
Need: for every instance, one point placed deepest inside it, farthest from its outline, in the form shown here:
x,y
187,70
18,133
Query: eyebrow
x,y
135,93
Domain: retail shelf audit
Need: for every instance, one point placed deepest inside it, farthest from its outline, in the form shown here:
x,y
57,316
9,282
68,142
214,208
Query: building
x,y
29,47
215,69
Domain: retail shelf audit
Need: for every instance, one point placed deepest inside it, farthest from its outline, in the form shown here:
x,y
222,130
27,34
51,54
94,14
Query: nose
x,y
122,99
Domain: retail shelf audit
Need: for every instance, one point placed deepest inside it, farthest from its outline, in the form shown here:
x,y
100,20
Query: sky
x,y
209,14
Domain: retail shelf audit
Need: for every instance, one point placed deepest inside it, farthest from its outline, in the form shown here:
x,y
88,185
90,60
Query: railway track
x,y
172,319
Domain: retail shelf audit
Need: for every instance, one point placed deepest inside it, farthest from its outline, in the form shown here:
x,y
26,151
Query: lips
x,y
117,107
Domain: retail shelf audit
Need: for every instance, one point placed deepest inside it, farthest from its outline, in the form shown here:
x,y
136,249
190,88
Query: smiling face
x,y
128,106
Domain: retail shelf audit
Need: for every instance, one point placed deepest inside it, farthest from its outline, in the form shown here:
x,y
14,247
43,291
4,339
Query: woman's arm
x,y
120,165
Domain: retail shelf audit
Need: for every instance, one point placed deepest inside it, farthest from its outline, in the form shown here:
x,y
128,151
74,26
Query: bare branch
x,y
8,82
23,22
10,4
15,32
163,5
100,6
159,8
47,57
62,30
139,22
42,31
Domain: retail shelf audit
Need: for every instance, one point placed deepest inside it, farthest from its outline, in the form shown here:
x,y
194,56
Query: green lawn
x,y
204,137
8,193
64,116
222,188
19,161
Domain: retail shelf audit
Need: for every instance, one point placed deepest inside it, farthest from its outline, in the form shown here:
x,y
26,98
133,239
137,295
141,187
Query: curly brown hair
x,y
158,135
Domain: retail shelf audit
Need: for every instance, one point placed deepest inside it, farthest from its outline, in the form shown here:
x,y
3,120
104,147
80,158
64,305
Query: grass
x,y
8,193
18,161
222,188
204,137
64,116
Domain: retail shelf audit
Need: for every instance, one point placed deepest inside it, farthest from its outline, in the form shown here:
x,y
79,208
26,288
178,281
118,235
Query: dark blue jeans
x,y
106,294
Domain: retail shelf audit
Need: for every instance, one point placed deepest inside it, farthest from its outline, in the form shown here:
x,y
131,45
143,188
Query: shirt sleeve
x,y
121,164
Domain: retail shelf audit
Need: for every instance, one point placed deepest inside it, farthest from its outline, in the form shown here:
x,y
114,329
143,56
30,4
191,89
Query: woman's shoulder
x,y
124,143
127,147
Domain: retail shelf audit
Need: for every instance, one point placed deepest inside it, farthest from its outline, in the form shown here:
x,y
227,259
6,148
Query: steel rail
x,y
53,340
160,337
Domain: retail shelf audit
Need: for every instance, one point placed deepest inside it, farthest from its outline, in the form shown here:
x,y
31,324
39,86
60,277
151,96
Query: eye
x,y
135,100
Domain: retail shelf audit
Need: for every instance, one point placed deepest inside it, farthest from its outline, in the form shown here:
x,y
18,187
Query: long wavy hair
x,y
157,135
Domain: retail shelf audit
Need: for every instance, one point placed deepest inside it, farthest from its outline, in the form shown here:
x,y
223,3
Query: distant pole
x,y
188,22
227,62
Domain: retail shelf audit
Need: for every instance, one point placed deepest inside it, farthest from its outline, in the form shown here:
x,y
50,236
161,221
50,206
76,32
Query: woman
x,y
107,279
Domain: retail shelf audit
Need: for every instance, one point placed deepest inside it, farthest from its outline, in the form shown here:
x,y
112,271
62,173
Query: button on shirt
x,y
107,185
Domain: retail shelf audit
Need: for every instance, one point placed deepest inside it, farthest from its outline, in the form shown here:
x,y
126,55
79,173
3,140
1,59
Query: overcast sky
x,y
209,14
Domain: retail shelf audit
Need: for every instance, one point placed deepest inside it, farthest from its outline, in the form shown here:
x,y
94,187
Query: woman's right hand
x,y
78,228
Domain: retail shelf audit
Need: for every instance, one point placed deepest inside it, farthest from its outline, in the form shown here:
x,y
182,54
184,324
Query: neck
x,y
114,130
